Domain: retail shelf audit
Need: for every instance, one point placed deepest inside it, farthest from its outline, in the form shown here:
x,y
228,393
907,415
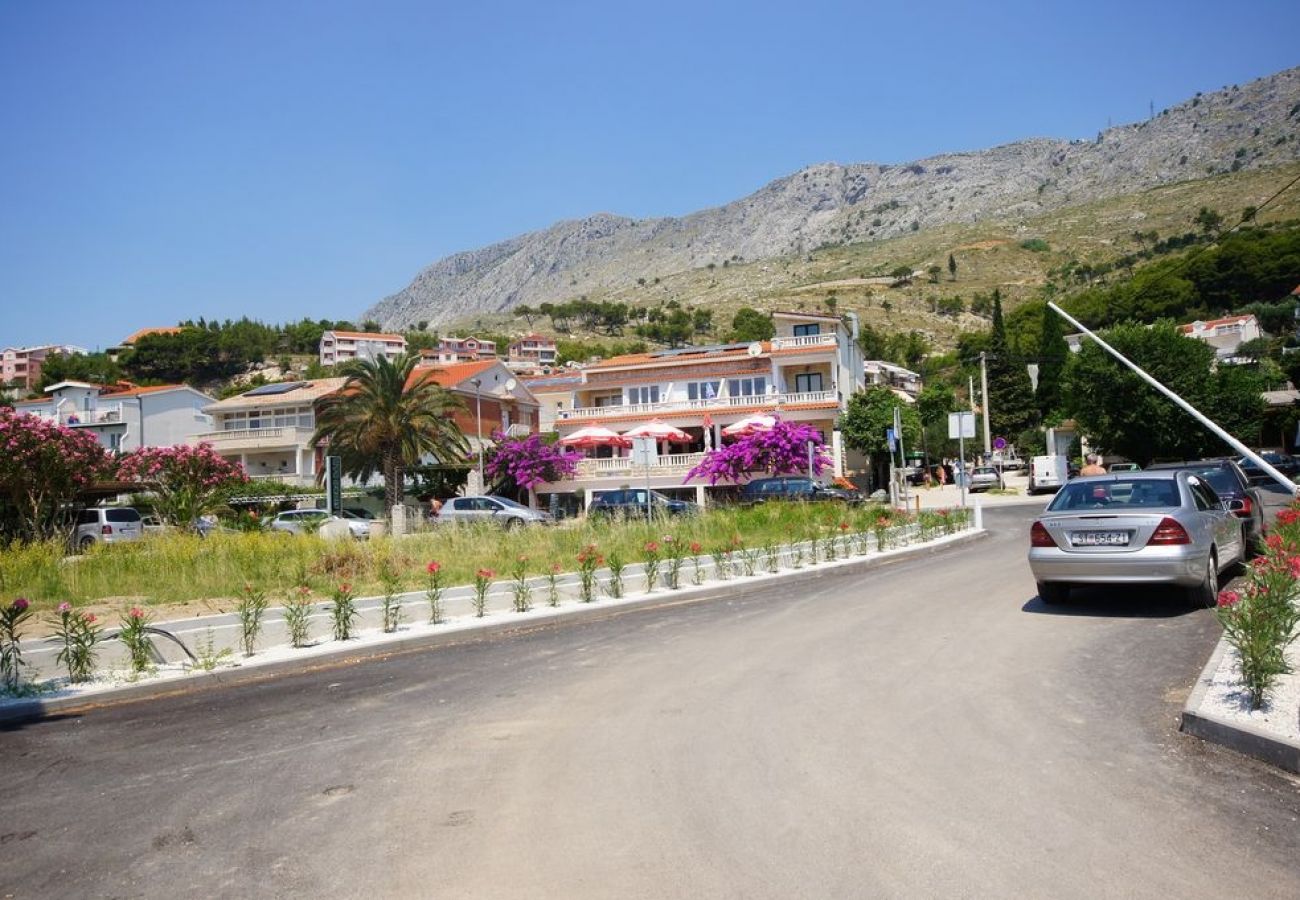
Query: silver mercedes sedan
x,y
1157,527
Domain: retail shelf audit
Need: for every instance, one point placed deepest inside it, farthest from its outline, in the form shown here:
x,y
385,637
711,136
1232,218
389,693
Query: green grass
x,y
178,568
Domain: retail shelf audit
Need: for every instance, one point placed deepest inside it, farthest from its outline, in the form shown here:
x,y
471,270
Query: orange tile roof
x,y
146,332
451,375
368,335
1212,323
140,391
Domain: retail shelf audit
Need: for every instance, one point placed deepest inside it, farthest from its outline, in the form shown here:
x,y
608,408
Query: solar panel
x,y
687,351
267,390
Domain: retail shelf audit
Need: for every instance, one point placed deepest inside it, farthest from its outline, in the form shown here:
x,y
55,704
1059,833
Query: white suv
x,y
107,525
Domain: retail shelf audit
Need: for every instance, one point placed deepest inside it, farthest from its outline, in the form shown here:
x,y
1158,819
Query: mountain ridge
x,y
1249,126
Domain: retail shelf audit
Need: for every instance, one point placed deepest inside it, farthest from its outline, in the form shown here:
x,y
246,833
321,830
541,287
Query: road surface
x,y
928,729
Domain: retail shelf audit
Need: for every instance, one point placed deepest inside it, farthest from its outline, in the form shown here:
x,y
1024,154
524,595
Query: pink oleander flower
x,y
555,567
696,547
136,613
91,618
844,526
65,606
20,604
433,568
1229,598
485,574
652,547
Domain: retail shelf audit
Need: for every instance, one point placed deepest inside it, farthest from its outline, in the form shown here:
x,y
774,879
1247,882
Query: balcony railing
x,y
715,404
254,438
804,340
101,415
625,465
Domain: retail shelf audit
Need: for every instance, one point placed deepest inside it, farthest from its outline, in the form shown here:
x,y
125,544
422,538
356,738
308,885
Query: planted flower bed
x,y
609,570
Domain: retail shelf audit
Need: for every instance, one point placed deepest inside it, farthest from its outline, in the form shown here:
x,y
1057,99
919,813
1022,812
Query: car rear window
x,y
121,515
1122,493
1220,479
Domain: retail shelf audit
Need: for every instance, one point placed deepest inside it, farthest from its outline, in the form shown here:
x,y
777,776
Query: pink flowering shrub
x,y
780,451
44,466
12,617
529,461
186,480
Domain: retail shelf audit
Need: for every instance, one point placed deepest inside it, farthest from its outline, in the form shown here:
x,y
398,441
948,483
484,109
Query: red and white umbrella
x,y
594,436
754,424
660,431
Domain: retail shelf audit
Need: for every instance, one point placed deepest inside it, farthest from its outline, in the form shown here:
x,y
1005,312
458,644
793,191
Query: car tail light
x,y
106,529
1039,536
1169,531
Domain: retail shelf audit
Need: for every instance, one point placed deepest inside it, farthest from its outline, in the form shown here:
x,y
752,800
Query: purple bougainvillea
x,y
530,461
781,451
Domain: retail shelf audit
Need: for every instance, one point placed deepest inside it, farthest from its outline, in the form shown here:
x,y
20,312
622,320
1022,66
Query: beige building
x,y
341,346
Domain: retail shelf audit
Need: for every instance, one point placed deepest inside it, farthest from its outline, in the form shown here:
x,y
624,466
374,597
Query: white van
x,y
1048,473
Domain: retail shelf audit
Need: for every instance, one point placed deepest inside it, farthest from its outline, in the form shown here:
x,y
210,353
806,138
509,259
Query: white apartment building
x,y
806,373
451,351
1224,335
125,420
341,346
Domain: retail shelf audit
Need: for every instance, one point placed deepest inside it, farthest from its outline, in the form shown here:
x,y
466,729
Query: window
x,y
702,390
807,329
646,394
747,387
808,382
115,442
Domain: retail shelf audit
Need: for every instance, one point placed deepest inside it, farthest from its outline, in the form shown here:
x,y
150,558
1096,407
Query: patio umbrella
x,y
660,431
594,436
751,425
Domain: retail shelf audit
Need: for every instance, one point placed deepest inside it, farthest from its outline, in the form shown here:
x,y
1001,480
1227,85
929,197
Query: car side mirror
x,y
1234,506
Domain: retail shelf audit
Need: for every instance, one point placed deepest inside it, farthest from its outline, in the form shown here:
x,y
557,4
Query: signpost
x,y
961,425
902,451
333,485
645,451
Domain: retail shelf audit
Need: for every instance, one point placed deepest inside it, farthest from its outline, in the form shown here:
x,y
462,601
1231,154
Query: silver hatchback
x,y
1160,527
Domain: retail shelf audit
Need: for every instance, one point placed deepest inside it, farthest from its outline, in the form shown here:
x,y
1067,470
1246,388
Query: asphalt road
x,y
926,730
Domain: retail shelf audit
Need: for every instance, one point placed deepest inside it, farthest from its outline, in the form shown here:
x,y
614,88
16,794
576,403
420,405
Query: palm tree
x,y
385,418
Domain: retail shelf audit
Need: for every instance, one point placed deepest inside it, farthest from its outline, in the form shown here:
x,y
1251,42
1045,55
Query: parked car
x,y
1153,527
309,521
632,502
491,509
1285,463
1124,467
107,525
1230,483
793,487
983,478
1048,473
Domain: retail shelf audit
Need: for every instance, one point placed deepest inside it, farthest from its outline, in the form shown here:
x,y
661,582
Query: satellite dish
x,y
511,384
755,349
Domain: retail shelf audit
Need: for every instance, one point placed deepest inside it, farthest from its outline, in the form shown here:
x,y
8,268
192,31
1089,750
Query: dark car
x,y
1285,463
1231,484
632,502
792,487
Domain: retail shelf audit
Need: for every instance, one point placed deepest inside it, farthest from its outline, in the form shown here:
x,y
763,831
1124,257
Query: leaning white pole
x,y
1193,411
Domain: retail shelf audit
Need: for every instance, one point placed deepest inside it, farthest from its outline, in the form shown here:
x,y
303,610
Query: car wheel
x,y
1207,592
512,523
86,543
1053,592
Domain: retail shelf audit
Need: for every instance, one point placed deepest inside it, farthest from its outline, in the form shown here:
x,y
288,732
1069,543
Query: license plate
x,y
1099,539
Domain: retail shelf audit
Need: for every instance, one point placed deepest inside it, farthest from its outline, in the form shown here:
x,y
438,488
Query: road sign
x,y
961,425
999,443
893,441
645,451
333,485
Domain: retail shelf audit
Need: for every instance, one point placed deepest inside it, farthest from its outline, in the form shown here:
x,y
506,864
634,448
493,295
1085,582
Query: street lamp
x,y
478,428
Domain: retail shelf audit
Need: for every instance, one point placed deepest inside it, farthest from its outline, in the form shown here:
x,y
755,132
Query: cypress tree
x,y
1012,407
1053,352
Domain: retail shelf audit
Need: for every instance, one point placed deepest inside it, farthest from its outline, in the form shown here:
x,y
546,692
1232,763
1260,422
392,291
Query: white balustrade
x,y
714,404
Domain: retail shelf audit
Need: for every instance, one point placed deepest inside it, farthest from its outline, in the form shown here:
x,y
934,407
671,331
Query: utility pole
x,y
478,429
984,400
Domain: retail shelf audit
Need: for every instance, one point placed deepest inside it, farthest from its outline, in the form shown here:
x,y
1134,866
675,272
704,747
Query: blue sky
x,y
167,160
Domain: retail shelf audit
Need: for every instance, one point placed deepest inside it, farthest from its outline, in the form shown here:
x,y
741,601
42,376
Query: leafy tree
x,y
702,321
934,403
949,306
782,450
952,267
186,481
751,325
385,418
934,273
902,275
1123,414
43,468
1208,220
95,368
870,413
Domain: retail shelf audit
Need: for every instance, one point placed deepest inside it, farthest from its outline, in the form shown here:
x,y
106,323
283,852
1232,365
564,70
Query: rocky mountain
x,y
1251,126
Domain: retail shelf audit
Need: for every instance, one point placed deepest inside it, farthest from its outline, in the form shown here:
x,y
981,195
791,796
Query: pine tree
x,y
1053,352
952,267
1011,395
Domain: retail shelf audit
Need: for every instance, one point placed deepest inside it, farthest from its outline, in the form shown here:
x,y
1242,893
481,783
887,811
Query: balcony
x,y
623,466
714,405
242,439
103,415
804,341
